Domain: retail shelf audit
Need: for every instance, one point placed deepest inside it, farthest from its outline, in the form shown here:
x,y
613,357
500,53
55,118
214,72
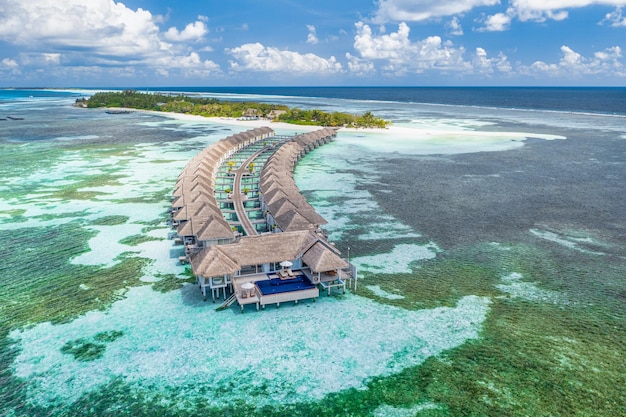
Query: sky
x,y
109,43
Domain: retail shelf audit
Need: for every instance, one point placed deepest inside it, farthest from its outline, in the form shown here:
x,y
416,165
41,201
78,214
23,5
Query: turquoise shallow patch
x,y
271,357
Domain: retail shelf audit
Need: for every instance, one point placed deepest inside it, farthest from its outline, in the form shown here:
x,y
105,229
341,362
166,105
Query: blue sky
x,y
101,43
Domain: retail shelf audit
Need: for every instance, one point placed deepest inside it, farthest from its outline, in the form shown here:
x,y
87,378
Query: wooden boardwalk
x,y
238,198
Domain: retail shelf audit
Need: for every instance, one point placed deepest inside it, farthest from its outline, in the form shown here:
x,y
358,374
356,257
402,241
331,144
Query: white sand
x,y
395,132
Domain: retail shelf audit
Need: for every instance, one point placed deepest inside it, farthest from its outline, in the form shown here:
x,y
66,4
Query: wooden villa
x,y
292,260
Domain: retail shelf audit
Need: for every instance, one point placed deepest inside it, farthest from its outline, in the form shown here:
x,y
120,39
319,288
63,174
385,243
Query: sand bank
x,y
408,139
395,131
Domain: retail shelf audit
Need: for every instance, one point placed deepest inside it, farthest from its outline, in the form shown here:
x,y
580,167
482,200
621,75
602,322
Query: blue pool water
x,y
278,286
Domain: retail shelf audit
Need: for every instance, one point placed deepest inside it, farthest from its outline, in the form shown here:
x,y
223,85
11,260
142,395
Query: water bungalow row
x,y
285,207
291,259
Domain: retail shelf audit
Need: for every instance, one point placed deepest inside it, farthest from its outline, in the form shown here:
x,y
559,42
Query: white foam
x,y
172,340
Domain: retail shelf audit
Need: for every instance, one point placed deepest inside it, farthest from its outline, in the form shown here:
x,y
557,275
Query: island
x,y
212,107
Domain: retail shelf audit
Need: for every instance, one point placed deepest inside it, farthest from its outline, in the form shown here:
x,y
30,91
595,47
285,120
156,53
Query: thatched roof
x,y
292,220
212,229
213,262
278,186
268,248
320,258
271,247
200,210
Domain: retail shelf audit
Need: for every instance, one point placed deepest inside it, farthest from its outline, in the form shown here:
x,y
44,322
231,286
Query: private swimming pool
x,y
277,286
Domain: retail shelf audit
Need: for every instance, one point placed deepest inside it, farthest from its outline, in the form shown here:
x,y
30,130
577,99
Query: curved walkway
x,y
237,196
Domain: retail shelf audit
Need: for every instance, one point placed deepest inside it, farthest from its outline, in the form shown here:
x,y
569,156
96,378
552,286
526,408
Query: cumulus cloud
x,y
94,32
312,36
607,62
485,65
257,57
454,27
98,24
193,32
359,66
615,18
415,11
9,63
497,23
404,55
481,62
542,10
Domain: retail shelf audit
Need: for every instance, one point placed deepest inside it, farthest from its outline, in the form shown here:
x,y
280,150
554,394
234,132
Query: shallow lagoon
x,y
488,287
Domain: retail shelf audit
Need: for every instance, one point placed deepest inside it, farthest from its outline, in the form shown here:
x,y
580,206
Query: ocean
x,y
488,228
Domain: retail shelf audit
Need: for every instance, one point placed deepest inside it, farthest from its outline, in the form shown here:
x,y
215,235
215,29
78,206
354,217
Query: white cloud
x,y
497,23
94,32
39,59
615,18
312,36
454,27
99,24
54,59
393,46
484,65
256,57
403,55
542,10
481,62
573,64
502,64
9,63
193,32
415,11
359,66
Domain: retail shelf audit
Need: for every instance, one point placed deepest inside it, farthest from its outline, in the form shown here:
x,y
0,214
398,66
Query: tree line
x,y
212,107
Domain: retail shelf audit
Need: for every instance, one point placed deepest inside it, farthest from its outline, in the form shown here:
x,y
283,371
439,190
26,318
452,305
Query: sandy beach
x,y
392,131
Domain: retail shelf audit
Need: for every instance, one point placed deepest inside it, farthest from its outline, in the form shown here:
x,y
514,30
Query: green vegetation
x,y
136,240
336,119
84,350
110,221
211,107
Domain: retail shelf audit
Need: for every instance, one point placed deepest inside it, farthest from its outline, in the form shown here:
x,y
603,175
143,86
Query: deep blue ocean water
x,y
568,99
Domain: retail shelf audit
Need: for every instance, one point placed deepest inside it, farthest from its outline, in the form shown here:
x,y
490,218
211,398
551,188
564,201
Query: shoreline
x,y
397,132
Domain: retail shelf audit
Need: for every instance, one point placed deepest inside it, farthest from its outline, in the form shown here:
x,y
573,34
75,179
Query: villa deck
x,y
265,289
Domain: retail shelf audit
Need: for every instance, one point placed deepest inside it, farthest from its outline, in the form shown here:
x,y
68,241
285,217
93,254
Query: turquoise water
x,y
491,253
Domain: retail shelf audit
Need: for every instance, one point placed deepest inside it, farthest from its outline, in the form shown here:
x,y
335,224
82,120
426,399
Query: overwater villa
x,y
247,231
